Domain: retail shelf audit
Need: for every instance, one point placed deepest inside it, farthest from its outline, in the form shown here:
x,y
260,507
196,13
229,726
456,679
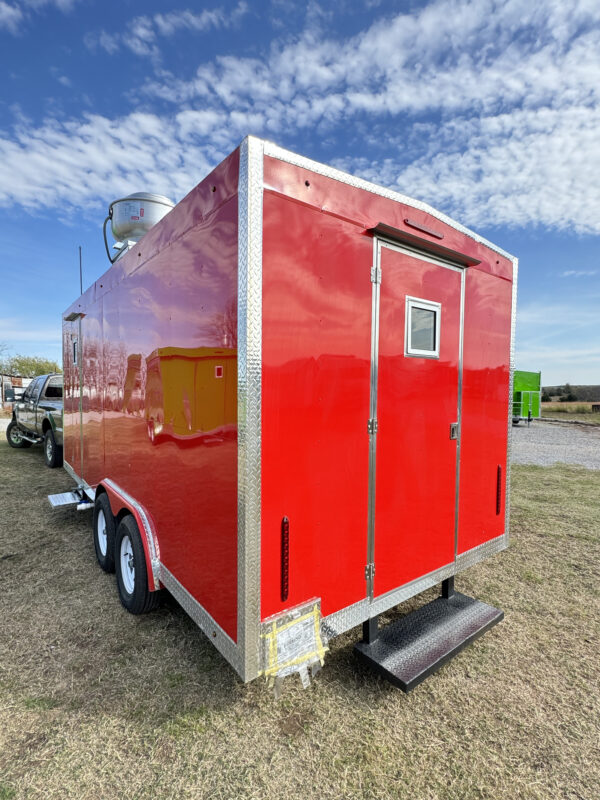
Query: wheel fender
x,y
121,501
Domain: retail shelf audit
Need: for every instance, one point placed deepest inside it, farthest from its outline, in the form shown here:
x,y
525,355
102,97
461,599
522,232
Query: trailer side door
x,y
416,388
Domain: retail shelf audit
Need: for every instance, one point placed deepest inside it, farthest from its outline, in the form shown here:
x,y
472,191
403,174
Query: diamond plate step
x,y
64,499
409,650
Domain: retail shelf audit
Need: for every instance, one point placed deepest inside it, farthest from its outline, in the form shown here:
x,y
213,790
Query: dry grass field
x,y
576,411
95,703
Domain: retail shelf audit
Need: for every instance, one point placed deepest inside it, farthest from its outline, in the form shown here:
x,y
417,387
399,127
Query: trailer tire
x,y
13,436
52,451
103,526
130,567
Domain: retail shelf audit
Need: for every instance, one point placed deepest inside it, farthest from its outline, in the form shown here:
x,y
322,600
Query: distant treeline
x,y
569,393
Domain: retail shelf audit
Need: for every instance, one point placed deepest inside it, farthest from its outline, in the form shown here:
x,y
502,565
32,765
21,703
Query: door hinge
x,y
369,572
375,274
372,425
454,430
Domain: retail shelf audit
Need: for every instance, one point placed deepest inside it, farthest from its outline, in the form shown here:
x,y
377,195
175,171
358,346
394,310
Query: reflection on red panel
x,y
159,418
366,210
484,408
417,402
315,405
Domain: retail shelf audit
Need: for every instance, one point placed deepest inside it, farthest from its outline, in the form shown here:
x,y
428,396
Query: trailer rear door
x,y
416,387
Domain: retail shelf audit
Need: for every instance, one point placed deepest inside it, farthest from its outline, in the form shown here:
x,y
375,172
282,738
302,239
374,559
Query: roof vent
x,y
133,216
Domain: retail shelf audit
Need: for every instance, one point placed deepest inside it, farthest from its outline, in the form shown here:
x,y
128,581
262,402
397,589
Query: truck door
x,y
416,387
29,405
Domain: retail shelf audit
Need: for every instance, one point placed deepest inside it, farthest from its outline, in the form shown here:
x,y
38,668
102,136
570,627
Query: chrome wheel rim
x,y
127,564
101,532
49,449
15,435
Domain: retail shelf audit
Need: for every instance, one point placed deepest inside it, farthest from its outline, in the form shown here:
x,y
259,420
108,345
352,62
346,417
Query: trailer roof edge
x,y
275,151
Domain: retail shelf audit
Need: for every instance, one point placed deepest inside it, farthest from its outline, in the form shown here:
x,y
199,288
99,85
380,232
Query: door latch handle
x,y
454,430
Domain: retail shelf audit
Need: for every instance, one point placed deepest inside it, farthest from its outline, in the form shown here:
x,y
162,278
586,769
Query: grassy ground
x,y
95,703
579,412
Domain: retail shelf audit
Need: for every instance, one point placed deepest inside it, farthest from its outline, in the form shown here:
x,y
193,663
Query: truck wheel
x,y
130,566
103,525
13,434
52,451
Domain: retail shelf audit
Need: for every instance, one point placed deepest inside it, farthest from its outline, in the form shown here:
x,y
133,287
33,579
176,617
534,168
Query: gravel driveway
x,y
546,443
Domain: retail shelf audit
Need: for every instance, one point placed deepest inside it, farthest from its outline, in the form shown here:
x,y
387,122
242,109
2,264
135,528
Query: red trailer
x,y
290,404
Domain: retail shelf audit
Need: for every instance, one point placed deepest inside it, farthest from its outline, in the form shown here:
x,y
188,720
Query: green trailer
x,y
527,395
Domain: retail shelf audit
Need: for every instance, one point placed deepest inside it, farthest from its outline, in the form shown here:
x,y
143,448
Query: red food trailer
x,y
289,404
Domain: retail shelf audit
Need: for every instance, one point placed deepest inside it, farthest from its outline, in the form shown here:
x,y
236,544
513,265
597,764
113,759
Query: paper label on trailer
x,y
294,642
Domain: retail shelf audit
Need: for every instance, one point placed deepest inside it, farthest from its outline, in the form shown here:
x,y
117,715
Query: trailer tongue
x,y
289,402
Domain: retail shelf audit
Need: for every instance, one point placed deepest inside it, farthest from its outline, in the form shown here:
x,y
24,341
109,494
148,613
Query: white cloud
x,y
10,17
142,33
489,111
578,273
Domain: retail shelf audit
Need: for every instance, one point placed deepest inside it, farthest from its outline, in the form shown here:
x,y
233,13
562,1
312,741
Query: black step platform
x,y
407,651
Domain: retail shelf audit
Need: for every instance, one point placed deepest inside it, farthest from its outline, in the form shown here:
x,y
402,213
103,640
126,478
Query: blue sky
x,y
488,110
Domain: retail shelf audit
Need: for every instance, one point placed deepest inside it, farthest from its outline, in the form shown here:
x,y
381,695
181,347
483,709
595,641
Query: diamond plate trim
x,y
91,493
224,643
250,215
273,150
470,557
513,328
350,617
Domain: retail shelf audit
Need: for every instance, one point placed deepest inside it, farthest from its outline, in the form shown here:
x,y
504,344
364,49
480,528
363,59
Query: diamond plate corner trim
x,y
513,328
476,554
250,217
148,529
216,635
274,151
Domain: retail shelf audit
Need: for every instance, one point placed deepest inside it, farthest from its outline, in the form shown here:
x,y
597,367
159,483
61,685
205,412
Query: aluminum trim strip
x,y
216,635
513,328
250,217
91,493
148,531
476,554
351,616
274,151
375,300
459,408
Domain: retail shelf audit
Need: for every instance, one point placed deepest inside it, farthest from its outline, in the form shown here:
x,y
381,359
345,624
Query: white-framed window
x,y
75,353
422,336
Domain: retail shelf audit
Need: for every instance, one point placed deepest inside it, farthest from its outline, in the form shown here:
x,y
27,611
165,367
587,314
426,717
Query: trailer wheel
x,y
103,525
130,566
52,451
13,435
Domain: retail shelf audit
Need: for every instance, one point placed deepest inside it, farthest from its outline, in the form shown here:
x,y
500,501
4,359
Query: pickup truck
x,y
38,417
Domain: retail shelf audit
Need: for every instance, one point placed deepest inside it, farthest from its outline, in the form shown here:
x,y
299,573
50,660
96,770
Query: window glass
x,y
54,389
422,329
422,336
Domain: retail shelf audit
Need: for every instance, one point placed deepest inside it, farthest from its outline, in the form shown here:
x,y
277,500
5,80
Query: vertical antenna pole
x,y
80,273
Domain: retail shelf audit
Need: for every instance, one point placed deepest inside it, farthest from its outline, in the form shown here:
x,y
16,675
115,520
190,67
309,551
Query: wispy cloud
x,y
13,16
142,34
578,273
10,17
495,109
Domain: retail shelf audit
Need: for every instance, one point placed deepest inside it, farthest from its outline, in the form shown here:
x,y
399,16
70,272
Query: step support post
x,y
371,630
448,587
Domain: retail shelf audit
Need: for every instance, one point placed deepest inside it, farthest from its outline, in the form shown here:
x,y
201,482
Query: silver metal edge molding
x,y
513,328
250,217
148,531
274,151
224,643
